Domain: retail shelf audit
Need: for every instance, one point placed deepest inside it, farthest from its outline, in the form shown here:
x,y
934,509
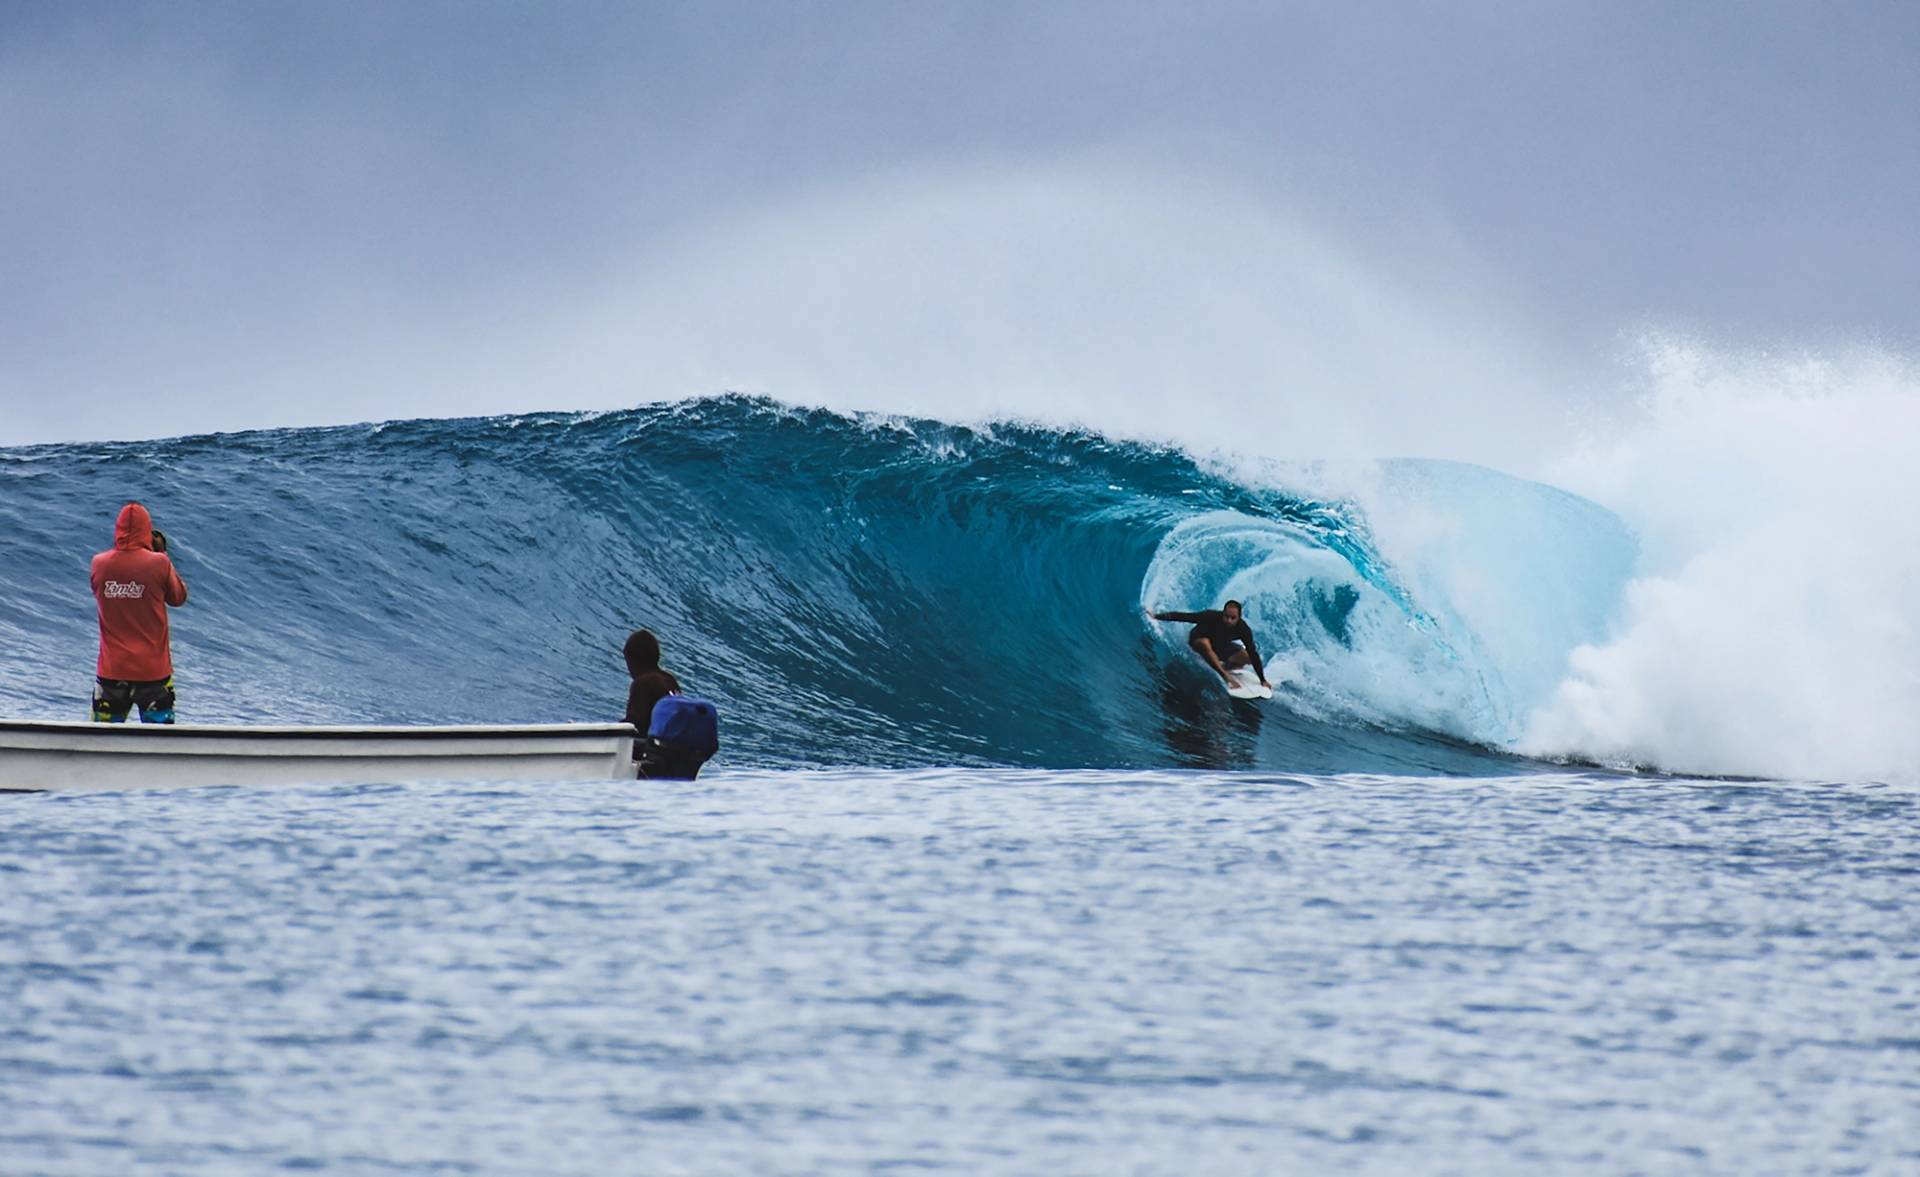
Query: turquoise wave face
x,y
849,590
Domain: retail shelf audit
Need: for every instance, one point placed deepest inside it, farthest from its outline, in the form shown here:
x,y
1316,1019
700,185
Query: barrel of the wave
x,y
683,735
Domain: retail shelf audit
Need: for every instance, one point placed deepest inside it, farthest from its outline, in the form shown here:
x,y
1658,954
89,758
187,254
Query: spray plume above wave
x,y
850,589
1770,626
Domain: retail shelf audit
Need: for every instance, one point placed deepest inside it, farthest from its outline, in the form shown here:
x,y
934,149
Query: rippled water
x,y
991,971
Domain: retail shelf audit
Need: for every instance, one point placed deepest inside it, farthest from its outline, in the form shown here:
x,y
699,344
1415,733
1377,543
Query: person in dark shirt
x,y
650,683
1221,636
690,731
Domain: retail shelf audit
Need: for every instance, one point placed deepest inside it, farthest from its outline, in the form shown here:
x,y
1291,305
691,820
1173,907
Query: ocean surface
x,y
988,876
1018,971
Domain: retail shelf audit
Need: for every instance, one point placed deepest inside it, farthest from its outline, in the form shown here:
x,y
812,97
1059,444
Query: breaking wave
x,y
850,589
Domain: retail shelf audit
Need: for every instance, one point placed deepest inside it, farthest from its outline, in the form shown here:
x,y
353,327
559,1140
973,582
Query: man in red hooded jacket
x,y
134,583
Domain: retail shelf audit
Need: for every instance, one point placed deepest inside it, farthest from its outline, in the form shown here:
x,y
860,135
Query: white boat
x,y
81,756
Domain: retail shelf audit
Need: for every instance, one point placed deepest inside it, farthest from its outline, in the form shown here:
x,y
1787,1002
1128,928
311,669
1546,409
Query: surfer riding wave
x,y
1222,637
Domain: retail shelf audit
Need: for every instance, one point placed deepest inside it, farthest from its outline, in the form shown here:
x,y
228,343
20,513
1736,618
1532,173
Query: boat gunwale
x,y
424,732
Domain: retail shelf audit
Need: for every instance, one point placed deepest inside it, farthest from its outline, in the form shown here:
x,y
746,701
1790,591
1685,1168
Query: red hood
x,y
134,530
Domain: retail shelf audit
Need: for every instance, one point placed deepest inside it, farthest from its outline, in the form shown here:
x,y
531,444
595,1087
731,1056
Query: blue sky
x,y
235,216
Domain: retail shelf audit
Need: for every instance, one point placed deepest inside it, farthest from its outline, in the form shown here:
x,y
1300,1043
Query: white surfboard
x,y
1246,685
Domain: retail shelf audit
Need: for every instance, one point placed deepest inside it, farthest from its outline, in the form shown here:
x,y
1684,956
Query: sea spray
x,y
1772,627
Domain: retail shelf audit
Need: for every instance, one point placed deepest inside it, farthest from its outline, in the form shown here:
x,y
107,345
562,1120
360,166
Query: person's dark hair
x,y
1233,605
642,652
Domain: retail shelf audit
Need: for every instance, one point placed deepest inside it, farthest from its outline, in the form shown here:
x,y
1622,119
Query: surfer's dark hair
x,y
1233,605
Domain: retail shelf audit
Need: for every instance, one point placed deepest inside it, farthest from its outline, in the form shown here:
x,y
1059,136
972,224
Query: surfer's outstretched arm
x,y
1189,618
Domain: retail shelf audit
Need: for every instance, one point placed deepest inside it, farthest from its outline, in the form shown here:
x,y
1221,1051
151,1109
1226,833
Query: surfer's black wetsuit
x,y
1211,624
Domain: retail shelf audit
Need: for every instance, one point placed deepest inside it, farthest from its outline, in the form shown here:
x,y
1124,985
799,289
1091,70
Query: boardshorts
x,y
113,698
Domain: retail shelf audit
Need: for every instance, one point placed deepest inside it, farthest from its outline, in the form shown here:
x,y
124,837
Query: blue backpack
x,y
686,724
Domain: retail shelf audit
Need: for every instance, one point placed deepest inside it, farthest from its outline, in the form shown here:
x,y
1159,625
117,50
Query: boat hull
x,y
64,756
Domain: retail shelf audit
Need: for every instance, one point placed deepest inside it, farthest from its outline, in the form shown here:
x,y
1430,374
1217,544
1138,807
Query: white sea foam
x,y
1774,626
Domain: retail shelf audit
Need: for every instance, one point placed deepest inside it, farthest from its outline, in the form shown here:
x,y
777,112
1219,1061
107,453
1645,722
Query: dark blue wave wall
x,y
849,590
